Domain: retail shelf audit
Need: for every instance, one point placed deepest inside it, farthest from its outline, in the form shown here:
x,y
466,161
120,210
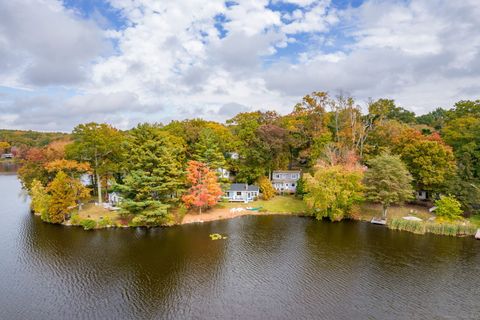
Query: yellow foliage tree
x,y
266,188
4,146
40,199
64,192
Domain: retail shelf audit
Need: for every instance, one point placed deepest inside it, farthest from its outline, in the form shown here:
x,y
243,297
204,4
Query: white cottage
x,y
223,173
285,181
242,192
114,198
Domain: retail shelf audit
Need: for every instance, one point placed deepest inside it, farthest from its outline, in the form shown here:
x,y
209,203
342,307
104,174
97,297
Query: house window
x,y
239,193
293,184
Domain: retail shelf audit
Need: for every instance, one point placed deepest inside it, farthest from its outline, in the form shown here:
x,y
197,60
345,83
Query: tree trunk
x,y
99,187
385,208
199,210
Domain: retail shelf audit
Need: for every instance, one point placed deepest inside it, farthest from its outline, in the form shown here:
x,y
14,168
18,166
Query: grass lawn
x,y
475,219
278,204
370,210
91,211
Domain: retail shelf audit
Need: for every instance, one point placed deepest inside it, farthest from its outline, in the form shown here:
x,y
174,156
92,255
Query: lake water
x,y
270,267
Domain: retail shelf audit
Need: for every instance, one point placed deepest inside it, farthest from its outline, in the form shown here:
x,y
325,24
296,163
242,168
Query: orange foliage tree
x,y
204,191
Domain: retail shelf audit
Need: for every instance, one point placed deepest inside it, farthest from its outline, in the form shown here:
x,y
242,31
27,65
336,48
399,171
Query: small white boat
x,y
477,235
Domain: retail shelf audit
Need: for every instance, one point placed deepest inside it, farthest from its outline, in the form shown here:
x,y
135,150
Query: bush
x,y
88,224
106,221
448,207
75,219
180,213
300,190
266,188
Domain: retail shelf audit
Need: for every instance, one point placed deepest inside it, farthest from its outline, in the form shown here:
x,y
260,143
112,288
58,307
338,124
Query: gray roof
x,y
242,187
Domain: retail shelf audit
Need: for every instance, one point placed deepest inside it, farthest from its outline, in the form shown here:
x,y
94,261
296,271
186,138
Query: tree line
x,y
346,156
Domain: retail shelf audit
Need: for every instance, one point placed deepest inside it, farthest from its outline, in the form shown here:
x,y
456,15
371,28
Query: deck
x,y
379,221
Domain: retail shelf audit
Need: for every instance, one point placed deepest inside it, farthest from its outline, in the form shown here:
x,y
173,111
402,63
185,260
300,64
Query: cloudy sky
x,y
130,61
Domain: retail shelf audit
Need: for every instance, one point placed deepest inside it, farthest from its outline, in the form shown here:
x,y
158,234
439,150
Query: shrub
x,y
300,190
266,188
75,219
106,221
88,224
448,207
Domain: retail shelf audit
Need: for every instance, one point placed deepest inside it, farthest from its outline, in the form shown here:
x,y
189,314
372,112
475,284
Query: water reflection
x,y
8,167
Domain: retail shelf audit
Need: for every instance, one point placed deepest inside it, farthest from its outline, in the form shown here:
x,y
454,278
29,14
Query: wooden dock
x,y
477,235
379,221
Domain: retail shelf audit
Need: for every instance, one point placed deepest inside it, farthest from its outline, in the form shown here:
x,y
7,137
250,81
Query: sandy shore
x,y
220,214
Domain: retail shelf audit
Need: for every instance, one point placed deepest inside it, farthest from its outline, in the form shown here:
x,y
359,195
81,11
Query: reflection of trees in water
x,y
134,271
8,167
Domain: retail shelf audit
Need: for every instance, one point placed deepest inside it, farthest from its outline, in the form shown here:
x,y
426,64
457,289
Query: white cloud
x,y
42,43
172,62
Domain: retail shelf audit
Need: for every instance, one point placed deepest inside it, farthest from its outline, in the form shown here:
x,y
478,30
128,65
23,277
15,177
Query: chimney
x,y
246,186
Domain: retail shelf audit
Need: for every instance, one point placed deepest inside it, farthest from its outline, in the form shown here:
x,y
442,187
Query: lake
x,y
270,267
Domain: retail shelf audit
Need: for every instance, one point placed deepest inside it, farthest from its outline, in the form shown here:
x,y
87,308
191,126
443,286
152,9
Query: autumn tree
x,y
431,163
307,128
100,146
33,165
386,109
387,181
65,194
266,188
255,159
40,199
4,146
333,191
71,167
204,191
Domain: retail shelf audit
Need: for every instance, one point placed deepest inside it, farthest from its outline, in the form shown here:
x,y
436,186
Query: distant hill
x,y
19,138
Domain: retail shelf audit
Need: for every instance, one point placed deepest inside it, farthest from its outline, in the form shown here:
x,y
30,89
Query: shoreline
x,y
218,214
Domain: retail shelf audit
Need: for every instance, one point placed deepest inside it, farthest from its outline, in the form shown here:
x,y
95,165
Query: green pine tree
x,y
155,174
207,150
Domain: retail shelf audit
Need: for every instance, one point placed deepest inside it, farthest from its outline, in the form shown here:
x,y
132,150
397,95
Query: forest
x,y
347,157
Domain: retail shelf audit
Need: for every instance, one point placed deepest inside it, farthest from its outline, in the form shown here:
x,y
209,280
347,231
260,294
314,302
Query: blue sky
x,y
126,62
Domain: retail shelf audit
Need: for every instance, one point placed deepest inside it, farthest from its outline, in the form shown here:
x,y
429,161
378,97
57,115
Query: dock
x,y
379,221
477,235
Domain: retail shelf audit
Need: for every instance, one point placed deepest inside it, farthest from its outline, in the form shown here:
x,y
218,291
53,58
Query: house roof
x,y
242,187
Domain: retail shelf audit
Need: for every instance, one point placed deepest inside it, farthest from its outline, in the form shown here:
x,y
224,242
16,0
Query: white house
x,y
223,173
285,181
233,155
114,198
7,156
242,192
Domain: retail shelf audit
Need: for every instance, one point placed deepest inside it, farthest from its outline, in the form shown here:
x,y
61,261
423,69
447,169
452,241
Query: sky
x,y
128,61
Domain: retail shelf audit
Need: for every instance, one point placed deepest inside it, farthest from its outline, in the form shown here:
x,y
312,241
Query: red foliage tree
x,y
204,191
